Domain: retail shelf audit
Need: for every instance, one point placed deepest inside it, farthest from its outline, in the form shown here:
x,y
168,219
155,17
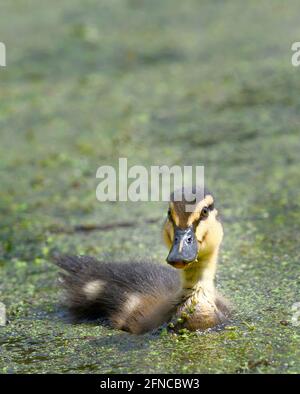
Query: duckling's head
x,y
192,235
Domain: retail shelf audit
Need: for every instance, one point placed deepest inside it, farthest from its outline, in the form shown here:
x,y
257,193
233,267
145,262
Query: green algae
x,y
159,84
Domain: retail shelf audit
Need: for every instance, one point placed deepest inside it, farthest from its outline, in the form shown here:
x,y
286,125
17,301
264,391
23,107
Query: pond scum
x,y
161,84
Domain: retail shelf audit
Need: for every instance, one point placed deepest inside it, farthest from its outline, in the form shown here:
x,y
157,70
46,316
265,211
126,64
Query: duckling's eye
x,y
205,212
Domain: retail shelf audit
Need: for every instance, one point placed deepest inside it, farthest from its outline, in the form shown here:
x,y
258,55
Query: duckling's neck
x,y
200,275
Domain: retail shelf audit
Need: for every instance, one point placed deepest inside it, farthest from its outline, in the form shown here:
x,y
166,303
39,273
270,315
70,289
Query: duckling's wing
x,y
134,296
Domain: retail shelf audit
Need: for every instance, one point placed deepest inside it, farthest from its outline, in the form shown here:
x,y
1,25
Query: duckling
x,y
141,296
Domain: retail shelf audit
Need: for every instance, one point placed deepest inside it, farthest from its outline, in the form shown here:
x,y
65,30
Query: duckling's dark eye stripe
x,y
170,215
210,207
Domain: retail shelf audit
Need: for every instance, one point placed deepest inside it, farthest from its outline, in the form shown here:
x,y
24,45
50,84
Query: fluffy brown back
x,y
132,296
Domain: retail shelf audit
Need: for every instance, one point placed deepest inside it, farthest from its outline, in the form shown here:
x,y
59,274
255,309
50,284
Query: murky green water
x,y
207,83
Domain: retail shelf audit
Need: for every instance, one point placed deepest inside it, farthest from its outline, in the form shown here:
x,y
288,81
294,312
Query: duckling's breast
x,y
199,312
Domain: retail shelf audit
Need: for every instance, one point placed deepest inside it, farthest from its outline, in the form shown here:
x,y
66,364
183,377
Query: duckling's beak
x,y
184,249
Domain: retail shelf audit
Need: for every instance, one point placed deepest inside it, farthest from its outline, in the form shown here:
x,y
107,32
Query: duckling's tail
x,y
135,297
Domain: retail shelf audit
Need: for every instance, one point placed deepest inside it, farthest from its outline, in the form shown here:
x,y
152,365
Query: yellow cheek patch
x,y
208,200
210,229
168,232
201,231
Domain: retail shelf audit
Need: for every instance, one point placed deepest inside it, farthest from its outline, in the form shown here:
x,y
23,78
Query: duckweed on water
x,y
159,84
